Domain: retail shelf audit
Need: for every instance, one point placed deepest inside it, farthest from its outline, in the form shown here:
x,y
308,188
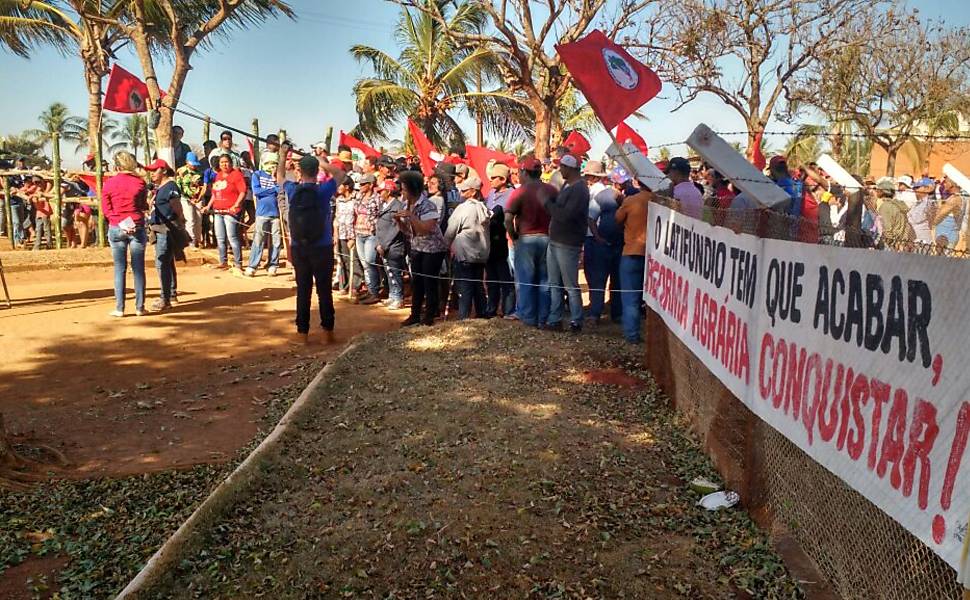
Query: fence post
x,y
205,129
9,209
148,146
256,143
56,225
329,138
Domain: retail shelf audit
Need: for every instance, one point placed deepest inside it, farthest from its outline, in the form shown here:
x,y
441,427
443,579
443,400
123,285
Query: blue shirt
x,y
325,194
794,190
264,190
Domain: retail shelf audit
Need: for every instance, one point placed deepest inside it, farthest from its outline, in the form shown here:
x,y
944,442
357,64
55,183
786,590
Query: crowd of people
x,y
508,242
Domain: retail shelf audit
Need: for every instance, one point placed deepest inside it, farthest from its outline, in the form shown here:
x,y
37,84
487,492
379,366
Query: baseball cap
x,y
266,159
389,185
472,183
905,180
461,169
531,164
678,164
89,157
925,182
445,169
569,161
192,159
159,164
619,175
337,163
498,170
777,160
309,163
886,184
368,178
320,146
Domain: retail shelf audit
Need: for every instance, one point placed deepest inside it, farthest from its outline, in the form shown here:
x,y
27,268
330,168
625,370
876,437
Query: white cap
x,y
905,180
569,161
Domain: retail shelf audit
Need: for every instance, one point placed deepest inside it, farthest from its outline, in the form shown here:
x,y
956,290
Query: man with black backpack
x,y
311,238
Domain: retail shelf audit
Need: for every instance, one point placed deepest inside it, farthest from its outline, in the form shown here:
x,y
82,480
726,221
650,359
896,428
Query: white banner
x,y
856,356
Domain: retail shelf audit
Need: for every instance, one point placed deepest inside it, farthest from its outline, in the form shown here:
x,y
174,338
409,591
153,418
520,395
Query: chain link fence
x,y
862,552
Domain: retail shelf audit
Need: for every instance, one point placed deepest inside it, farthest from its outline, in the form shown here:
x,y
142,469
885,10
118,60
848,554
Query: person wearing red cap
x,y
166,221
527,222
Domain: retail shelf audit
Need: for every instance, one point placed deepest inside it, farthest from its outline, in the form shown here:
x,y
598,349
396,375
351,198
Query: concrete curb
x,y
222,497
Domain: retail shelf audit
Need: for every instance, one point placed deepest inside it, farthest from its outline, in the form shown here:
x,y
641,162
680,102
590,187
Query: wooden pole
x,y
328,138
205,129
148,146
256,143
99,185
56,225
9,209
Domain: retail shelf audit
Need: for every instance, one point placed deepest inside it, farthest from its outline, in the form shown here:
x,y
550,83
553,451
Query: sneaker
x,y
411,321
271,271
140,312
116,313
575,326
394,305
160,305
175,298
250,271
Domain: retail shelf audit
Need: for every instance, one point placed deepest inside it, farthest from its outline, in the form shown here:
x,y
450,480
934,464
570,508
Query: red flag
x,y
252,152
478,159
125,92
757,158
349,140
615,84
625,134
423,148
91,180
577,144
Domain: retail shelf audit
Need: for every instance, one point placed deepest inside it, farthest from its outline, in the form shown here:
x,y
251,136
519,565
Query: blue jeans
x,y
18,223
394,263
631,281
471,291
531,279
227,227
563,264
602,262
121,243
263,226
42,228
367,255
501,290
165,265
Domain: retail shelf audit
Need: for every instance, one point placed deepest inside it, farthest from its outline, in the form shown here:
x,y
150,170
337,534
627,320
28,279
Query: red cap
x,y
531,164
337,163
89,157
389,185
158,164
776,160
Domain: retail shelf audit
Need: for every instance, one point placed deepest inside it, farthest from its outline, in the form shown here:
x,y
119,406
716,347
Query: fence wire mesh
x,y
862,552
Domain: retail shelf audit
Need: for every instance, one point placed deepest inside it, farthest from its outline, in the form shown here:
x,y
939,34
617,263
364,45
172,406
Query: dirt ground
x,y
482,460
145,394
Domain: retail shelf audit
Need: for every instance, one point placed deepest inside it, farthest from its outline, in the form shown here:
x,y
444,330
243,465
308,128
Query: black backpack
x,y
307,221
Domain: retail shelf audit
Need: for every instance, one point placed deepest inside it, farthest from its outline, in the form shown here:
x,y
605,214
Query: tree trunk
x,y
543,130
755,128
93,81
891,153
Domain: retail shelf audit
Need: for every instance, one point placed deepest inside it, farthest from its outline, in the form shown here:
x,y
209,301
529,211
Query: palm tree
x,y
56,119
805,146
942,124
79,27
131,134
663,153
23,145
432,77
109,130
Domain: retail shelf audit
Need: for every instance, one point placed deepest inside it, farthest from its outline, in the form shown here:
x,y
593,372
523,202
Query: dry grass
x,y
474,460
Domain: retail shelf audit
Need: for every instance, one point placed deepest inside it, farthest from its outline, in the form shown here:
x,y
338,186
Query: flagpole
x,y
99,181
626,163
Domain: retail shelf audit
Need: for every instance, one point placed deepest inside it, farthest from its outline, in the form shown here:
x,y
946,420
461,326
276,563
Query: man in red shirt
x,y
527,222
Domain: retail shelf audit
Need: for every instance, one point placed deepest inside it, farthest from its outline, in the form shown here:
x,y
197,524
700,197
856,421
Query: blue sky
x,y
240,78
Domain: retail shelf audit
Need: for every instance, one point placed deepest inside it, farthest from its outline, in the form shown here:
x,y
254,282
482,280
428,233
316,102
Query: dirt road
x,y
142,394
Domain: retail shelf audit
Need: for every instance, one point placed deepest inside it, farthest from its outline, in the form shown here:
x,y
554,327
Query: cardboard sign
x,y
837,173
647,173
728,162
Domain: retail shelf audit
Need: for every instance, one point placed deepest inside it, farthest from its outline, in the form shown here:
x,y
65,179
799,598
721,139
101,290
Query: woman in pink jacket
x,y
124,202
